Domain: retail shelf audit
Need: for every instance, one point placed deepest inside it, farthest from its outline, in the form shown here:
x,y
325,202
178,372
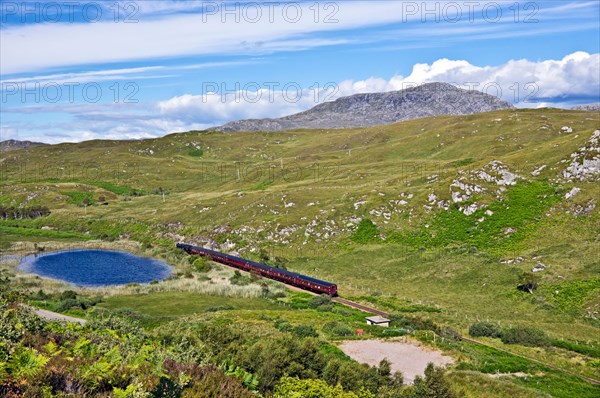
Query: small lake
x,y
95,268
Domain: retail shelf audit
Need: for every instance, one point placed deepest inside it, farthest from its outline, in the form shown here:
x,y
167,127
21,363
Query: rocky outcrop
x,y
12,145
587,107
365,110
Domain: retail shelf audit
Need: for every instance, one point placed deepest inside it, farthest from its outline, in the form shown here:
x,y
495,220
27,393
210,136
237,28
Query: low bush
x,y
201,265
225,307
414,323
450,333
195,153
322,303
485,329
303,331
525,335
239,279
283,326
338,329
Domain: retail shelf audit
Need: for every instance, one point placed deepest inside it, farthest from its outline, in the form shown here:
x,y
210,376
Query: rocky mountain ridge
x,y
587,107
13,145
372,109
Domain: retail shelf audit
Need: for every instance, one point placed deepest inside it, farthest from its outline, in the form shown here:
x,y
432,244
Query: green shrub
x,y
577,347
195,153
414,323
225,307
338,329
485,329
305,331
239,279
450,333
434,384
314,388
201,265
322,302
366,232
68,294
525,335
69,300
283,326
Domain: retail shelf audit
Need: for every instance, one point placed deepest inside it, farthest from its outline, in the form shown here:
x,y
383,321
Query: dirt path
x,y
408,357
55,316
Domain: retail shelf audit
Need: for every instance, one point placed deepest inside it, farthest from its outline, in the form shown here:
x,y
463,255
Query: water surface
x,y
94,268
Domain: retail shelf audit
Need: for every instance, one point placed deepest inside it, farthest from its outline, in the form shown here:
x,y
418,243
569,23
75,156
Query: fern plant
x,y
26,363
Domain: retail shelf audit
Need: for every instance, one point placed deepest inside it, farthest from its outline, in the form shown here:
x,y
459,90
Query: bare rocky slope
x,y
366,110
11,145
587,107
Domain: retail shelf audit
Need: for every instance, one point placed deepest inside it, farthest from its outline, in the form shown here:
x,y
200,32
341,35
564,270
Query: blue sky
x,y
149,68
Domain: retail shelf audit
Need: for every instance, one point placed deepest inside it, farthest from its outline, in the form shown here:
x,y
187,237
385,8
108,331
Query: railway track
x,y
375,311
361,307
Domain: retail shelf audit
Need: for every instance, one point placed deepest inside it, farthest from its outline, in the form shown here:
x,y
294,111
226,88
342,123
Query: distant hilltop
x,y
12,145
366,110
587,107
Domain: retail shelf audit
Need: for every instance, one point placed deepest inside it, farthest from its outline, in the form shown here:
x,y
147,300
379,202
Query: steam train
x,y
278,274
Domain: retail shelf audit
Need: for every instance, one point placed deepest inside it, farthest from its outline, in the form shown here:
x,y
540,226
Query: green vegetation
x,y
485,329
338,329
201,264
111,356
541,380
525,335
322,302
366,232
369,209
294,387
30,232
111,187
394,306
67,301
195,153
261,186
570,297
168,306
593,352
434,384
241,280
520,211
81,198
15,213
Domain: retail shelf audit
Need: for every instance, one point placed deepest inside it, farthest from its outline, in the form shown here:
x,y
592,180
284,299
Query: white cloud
x,y
159,71
8,133
217,108
557,82
177,35
177,28
522,82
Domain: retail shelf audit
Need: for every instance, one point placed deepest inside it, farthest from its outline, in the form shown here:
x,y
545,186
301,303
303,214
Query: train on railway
x,y
278,274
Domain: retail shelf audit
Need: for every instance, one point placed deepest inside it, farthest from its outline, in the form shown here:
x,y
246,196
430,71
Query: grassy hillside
x,y
438,217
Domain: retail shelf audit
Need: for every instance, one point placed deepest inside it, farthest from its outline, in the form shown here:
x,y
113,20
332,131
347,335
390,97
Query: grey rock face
x,y
12,145
588,107
365,110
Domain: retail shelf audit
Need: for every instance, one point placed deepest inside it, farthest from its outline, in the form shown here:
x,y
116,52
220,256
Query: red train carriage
x,y
278,274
